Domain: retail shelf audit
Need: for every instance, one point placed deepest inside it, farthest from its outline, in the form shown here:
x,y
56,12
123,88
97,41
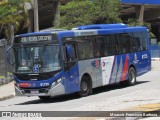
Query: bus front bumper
x,y
57,90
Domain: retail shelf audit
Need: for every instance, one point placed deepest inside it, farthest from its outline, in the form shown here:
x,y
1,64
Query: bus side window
x,y
135,47
74,57
145,41
125,43
140,40
85,50
97,46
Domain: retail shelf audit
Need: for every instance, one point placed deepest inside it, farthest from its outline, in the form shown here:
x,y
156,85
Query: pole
x,y
57,15
141,13
36,21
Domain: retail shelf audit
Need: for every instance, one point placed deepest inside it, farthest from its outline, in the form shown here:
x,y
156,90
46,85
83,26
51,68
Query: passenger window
x,y
85,48
145,40
124,43
97,45
140,41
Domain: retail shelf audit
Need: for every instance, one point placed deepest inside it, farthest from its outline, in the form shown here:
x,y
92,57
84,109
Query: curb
x,y
155,59
7,97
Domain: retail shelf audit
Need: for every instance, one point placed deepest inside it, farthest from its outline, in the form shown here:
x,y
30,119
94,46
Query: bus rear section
x,y
113,55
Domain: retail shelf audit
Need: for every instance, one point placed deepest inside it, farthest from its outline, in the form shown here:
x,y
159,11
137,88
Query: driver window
x,y
74,56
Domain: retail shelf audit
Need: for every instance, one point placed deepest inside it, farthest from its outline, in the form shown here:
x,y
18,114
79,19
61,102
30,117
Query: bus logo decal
x,y
96,63
135,59
144,56
135,56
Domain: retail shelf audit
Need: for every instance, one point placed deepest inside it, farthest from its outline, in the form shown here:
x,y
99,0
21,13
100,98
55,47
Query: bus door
x,y
71,68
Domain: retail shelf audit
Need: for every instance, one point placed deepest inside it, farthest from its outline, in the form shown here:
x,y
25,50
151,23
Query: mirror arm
x,y
8,55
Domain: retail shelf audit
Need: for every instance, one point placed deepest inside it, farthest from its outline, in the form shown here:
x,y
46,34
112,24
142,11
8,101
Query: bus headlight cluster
x,y
56,82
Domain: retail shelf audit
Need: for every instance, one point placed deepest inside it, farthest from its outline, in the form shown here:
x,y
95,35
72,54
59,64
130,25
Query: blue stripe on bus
x,y
119,70
141,2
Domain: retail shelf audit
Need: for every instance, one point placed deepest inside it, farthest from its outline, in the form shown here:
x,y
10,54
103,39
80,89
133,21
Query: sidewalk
x,y
7,91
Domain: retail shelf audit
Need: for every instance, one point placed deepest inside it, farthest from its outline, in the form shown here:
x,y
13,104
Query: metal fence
x,y
5,68
155,52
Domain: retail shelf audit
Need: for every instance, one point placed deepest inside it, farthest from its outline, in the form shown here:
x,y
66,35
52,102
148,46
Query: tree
x,y
106,11
134,22
76,12
81,12
12,13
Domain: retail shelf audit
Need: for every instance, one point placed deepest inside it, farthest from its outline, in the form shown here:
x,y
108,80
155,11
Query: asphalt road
x,y
108,98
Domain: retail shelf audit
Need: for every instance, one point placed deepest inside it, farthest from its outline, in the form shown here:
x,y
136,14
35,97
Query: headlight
x,y
56,82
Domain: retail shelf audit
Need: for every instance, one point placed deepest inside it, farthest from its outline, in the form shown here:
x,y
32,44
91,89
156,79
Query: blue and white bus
x,y
51,63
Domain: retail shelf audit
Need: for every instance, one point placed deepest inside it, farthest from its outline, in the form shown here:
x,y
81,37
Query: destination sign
x,y
33,39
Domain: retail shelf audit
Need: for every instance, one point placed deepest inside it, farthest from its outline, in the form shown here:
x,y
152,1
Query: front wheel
x,y
85,87
131,77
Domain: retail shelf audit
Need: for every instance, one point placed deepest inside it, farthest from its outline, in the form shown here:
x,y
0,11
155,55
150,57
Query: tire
x,y
131,77
45,98
85,87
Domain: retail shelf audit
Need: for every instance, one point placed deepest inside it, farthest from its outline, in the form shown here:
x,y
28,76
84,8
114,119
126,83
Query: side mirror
x,y
69,51
10,55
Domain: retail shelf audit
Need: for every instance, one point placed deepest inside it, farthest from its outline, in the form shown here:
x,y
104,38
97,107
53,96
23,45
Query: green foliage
x,y
134,22
105,11
12,13
82,12
76,13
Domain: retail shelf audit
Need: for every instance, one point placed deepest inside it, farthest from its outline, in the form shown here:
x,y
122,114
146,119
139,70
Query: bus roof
x,y
91,29
102,26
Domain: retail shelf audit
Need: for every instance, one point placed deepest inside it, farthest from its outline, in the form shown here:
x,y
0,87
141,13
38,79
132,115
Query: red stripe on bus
x,y
125,69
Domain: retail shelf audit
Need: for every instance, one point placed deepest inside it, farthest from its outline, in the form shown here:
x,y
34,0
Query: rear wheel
x,y
45,98
85,87
131,77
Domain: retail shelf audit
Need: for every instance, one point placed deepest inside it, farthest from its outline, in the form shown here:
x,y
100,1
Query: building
x,y
143,10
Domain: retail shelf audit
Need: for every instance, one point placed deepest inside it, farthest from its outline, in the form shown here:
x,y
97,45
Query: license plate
x,y
34,91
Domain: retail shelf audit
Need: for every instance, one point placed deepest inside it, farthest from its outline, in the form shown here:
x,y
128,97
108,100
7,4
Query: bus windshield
x,y
37,59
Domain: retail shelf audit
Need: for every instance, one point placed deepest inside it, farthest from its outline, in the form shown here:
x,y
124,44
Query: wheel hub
x,y
84,86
